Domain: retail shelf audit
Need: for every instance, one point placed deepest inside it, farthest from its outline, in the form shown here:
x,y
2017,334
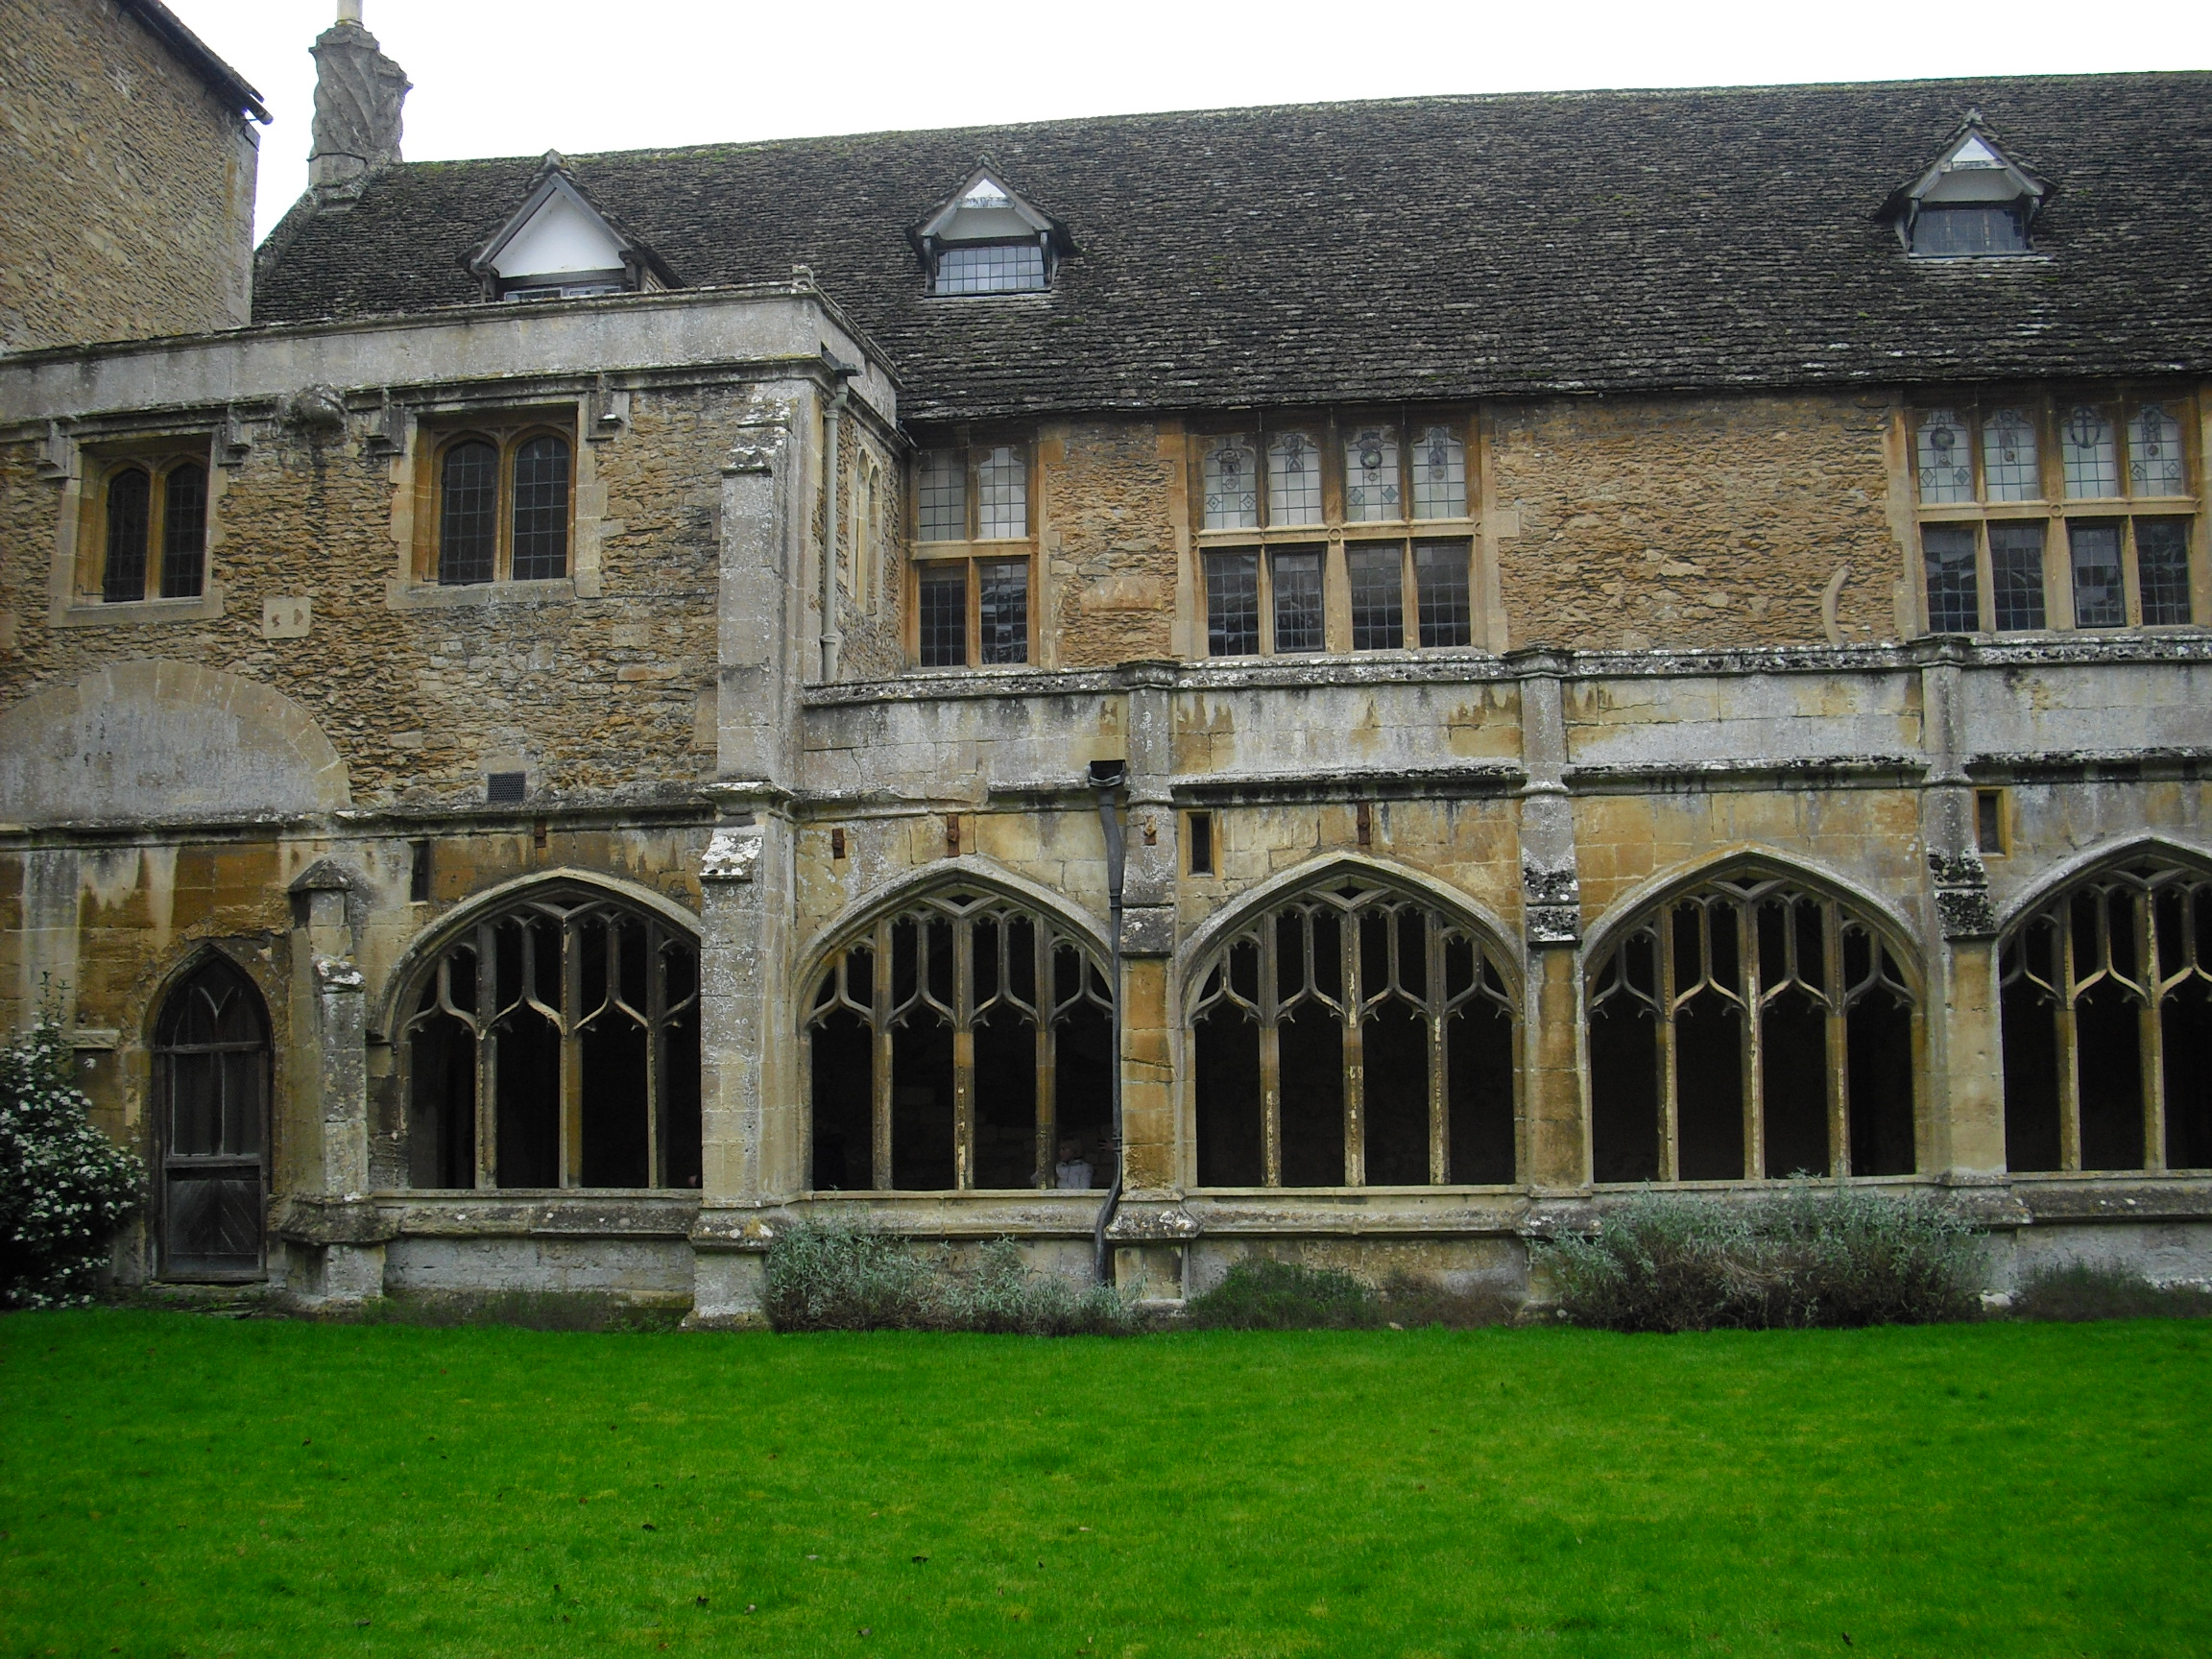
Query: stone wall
x,y
1111,526
1694,521
129,185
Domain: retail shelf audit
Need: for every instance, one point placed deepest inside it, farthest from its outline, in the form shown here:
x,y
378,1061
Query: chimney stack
x,y
358,92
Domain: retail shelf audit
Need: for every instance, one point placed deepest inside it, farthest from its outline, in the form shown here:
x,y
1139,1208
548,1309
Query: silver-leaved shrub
x,y
65,1186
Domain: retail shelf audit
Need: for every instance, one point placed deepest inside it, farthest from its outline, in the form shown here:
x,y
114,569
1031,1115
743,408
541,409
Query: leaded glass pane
x,y
1297,584
1441,590
2100,601
1966,230
2016,574
184,531
2009,462
1232,604
2162,570
1946,463
1954,601
1001,494
991,268
1378,581
1293,480
942,496
1371,475
1002,609
130,509
541,510
2090,452
1439,475
1232,485
469,514
943,620
2154,452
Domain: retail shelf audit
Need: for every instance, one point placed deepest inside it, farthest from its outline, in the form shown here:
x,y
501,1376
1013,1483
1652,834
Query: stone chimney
x,y
358,92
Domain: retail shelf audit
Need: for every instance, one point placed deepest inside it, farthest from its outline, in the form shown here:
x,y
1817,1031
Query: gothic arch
x,y
548,1036
1351,1024
958,1032
1752,1018
2104,1004
1903,935
209,1034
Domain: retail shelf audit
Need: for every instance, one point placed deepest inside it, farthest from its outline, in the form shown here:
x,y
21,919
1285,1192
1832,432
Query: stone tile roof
x,y
1422,249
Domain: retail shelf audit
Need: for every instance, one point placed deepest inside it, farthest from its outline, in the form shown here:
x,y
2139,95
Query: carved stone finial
x,y
358,92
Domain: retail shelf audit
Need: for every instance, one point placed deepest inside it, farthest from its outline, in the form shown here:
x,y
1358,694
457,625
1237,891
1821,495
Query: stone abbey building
x,y
1628,639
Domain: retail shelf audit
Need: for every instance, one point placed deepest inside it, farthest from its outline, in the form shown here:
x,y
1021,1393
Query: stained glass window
x,y
130,512
940,496
1293,480
1439,475
1001,494
2162,570
541,510
2016,573
1441,590
1954,601
1378,596
2154,452
2008,461
942,622
1946,463
991,268
1371,475
1298,615
2090,452
2099,600
468,518
1232,485
1232,604
1002,609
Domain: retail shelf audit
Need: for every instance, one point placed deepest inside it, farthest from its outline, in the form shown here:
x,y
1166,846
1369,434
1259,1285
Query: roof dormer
x,y
986,239
558,245
1975,201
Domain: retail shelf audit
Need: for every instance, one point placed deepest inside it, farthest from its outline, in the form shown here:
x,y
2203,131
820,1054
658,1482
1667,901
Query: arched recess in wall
x,y
2105,1000
550,1038
1352,1030
1754,1022
960,1037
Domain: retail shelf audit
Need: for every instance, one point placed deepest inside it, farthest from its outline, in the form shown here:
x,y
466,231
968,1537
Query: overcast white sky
x,y
515,78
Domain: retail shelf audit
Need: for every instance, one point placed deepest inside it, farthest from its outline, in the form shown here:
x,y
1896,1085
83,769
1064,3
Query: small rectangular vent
x,y
419,875
506,788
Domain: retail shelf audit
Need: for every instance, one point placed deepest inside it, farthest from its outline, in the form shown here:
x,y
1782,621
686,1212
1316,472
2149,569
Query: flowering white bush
x,y
65,1186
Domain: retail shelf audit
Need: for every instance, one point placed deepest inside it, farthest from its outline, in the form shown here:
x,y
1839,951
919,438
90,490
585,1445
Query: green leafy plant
x,y
65,1186
828,1276
2073,1291
1808,1257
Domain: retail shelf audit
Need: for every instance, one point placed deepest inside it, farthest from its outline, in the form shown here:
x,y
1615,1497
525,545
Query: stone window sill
x,y
86,612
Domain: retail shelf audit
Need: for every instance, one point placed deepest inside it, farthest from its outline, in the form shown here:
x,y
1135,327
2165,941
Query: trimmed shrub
x,y
826,1276
2073,1291
1808,1256
65,1186
1261,1293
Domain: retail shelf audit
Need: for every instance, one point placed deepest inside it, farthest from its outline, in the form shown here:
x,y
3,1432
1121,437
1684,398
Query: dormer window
x,y
558,246
1974,203
986,240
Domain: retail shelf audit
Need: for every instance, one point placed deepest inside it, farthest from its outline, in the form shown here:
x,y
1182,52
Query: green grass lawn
x,y
173,1483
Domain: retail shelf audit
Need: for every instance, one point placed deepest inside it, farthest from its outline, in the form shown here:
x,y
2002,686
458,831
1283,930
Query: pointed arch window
x,y
963,1041
1353,1035
2105,999
1751,1026
555,1042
